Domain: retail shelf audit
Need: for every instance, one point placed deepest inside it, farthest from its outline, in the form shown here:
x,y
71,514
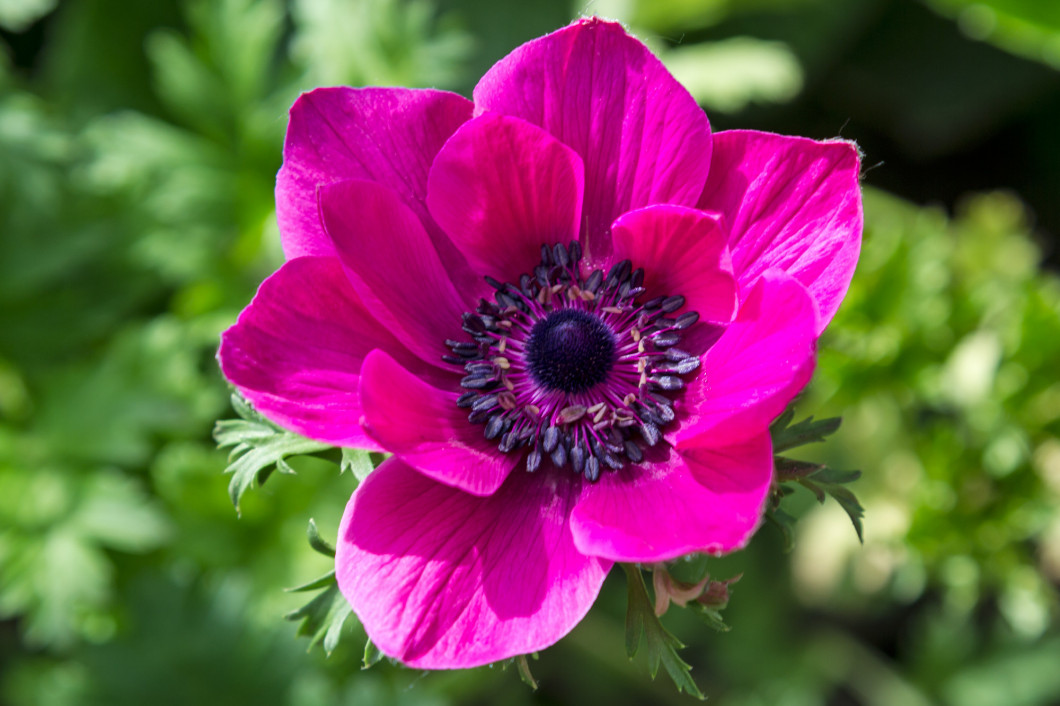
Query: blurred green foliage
x,y
138,147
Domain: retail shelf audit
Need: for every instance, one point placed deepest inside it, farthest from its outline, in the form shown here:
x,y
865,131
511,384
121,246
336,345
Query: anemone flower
x,y
566,310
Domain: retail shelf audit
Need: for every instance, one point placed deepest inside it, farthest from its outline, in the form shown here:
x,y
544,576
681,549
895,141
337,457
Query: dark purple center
x,y
569,364
570,350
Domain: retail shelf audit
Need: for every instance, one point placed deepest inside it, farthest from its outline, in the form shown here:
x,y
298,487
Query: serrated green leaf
x,y
258,447
661,644
790,469
833,476
314,585
828,481
789,436
322,618
785,523
372,655
817,490
317,542
711,616
849,502
341,611
358,462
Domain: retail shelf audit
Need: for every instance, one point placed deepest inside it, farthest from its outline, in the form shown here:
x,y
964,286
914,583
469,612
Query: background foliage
x,y
138,147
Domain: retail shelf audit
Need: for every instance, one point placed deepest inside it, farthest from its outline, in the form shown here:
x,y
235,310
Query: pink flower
x,y
569,276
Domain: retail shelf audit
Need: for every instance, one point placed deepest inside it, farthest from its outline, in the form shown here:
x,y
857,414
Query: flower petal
x,y
640,134
790,203
422,425
757,366
683,251
393,266
296,351
700,500
385,135
442,579
501,187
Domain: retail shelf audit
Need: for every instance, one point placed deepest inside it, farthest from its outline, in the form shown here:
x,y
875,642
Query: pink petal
x,y
297,349
442,579
386,135
764,358
640,134
393,266
683,251
501,187
699,500
422,425
790,203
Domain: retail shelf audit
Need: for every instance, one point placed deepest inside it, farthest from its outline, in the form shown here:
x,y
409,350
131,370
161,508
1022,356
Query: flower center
x,y
570,350
575,368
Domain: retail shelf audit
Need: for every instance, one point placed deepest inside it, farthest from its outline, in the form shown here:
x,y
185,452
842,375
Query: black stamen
x,y
487,402
550,439
508,442
575,252
533,460
560,255
477,382
676,354
537,351
559,456
592,468
665,340
667,382
495,427
650,433
672,304
577,458
685,320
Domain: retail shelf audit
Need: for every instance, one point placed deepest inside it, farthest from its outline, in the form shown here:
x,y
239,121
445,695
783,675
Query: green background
x,y
138,147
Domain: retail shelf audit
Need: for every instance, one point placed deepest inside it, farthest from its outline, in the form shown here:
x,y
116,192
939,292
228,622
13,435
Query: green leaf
x,y
317,542
789,436
372,655
258,448
790,469
710,615
358,462
831,482
316,584
323,617
785,523
661,644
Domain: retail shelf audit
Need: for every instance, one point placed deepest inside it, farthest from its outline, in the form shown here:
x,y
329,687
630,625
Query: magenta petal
x,y
296,352
790,203
699,500
443,579
764,358
422,425
501,187
683,251
388,135
385,135
640,134
393,266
